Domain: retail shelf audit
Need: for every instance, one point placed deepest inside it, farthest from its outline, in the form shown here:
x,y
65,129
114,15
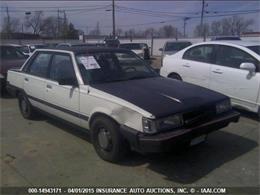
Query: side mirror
x,y
161,49
248,66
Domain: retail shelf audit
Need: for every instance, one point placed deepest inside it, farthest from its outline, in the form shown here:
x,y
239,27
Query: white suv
x,y
230,67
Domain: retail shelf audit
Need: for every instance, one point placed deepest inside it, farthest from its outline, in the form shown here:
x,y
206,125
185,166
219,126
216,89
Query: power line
x,y
67,10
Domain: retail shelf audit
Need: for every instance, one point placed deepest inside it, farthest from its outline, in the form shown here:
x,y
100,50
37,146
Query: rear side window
x,y
39,65
62,69
202,53
233,57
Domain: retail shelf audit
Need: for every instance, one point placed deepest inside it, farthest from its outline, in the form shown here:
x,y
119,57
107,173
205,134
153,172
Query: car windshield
x,y
175,46
134,46
255,48
104,67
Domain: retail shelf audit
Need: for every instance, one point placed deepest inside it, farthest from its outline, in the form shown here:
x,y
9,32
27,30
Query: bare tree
x,y
119,31
241,25
200,30
49,26
231,26
216,28
11,26
149,32
35,22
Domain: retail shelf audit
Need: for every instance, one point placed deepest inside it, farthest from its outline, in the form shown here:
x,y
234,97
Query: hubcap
x,y
104,139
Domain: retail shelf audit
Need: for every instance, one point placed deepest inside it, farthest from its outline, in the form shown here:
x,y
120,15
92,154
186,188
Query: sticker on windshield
x,y
89,62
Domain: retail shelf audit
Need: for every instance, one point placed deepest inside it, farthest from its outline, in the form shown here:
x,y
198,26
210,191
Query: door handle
x,y
186,65
217,72
49,86
26,79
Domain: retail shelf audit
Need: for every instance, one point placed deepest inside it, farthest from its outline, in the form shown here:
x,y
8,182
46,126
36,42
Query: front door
x,y
227,77
62,91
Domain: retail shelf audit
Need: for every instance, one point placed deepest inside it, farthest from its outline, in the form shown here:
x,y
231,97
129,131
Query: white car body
x,y
240,85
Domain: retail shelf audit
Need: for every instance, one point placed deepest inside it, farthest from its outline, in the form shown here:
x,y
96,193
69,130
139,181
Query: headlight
x,y
223,106
153,126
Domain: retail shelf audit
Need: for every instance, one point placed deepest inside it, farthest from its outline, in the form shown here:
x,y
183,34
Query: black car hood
x,y
161,96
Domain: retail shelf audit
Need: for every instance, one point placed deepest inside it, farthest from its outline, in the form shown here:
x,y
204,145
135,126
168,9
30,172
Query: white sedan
x,y
230,67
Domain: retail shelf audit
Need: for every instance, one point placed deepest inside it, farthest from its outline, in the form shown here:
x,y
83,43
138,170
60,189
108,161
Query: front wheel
x,y
25,106
107,139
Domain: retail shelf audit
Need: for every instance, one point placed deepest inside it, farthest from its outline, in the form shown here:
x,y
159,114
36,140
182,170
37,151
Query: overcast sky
x,y
85,14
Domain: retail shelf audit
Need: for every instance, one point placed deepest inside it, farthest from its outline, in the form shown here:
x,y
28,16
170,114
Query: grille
x,y
198,116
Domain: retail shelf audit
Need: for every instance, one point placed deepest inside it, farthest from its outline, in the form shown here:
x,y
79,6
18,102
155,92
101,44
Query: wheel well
x,y
100,114
173,73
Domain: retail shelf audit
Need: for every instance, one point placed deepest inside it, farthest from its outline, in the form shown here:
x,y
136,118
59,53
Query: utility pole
x,y
86,34
8,22
64,24
176,32
113,18
58,23
202,27
152,42
184,26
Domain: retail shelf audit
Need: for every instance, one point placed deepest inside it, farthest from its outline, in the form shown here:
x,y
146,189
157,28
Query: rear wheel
x,y
25,106
175,76
107,139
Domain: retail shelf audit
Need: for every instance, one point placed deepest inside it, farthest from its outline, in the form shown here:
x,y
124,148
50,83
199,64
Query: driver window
x,y
232,57
62,69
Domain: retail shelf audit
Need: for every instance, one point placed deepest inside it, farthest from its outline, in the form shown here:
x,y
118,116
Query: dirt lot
x,y
47,152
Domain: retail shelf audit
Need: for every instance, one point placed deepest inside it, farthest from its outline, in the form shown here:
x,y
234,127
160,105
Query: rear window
x,y
172,46
256,49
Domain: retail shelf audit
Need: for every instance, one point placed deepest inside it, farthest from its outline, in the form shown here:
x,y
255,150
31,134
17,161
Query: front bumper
x,y
166,141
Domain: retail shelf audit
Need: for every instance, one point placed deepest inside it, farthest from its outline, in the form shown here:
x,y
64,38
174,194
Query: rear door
x,y
35,79
229,79
61,89
195,64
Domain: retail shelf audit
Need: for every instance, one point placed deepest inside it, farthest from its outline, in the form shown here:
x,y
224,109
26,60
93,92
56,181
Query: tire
x,y
25,106
175,76
107,140
258,114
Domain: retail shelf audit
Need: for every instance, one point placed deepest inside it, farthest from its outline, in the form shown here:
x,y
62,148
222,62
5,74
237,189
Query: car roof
x,y
238,42
178,41
81,50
